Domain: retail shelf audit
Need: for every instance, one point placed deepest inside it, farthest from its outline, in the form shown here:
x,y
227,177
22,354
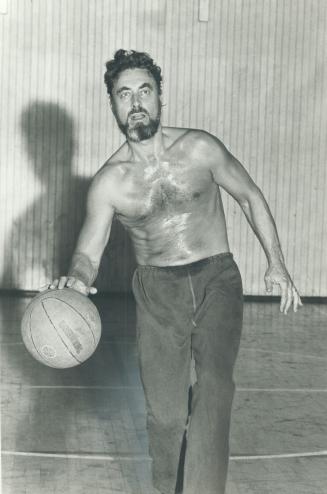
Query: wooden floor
x,y
82,431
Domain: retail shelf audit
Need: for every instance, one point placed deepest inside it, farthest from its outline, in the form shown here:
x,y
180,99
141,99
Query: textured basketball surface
x,y
61,328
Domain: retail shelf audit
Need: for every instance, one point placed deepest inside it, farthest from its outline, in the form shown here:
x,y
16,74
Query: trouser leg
x,y
215,343
164,349
166,389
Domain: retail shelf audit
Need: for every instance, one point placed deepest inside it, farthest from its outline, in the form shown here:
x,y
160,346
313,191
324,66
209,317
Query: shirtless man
x,y
163,185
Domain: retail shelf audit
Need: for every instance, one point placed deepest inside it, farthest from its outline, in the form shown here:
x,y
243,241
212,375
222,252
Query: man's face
x,y
136,104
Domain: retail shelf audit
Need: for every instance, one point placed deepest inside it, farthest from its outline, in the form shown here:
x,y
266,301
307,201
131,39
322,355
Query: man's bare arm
x,y
232,176
92,240
83,269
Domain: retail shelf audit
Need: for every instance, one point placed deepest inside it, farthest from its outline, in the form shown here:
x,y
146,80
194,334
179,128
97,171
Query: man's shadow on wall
x,y
43,238
41,242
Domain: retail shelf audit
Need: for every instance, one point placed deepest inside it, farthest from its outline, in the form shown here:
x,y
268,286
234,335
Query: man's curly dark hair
x,y
130,59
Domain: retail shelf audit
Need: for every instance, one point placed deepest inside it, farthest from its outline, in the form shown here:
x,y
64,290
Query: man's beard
x,y
140,131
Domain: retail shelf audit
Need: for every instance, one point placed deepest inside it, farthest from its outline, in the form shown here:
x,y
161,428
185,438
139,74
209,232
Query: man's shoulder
x,y
199,138
181,133
115,160
112,168
205,139
119,156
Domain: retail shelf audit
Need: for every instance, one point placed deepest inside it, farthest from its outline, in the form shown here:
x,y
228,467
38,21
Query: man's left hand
x,y
277,274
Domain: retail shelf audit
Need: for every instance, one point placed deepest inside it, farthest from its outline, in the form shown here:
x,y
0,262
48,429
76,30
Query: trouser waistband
x,y
217,258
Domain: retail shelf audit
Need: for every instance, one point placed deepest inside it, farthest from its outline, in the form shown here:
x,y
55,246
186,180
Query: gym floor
x,y
82,431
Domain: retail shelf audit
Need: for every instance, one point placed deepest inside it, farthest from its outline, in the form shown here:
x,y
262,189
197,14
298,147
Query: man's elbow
x,y
252,198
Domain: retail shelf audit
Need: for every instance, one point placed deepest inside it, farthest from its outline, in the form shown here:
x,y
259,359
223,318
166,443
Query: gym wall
x,y
252,72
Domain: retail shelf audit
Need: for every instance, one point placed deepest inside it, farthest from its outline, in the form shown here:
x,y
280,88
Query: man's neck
x,y
149,149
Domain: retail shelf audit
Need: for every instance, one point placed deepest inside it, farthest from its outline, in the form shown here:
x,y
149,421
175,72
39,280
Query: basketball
x,y
61,328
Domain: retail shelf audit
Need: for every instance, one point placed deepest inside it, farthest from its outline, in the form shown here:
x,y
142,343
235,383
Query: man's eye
x,y
145,92
124,95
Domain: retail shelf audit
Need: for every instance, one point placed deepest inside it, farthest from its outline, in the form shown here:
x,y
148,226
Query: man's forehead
x,y
133,77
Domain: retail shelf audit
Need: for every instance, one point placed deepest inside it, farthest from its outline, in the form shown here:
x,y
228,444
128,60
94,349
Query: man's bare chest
x,y
163,187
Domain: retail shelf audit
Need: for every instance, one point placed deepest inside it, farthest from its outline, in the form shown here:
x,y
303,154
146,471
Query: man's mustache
x,y
138,110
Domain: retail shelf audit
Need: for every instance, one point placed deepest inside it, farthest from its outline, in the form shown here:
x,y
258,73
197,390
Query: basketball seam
x,y
31,336
45,310
73,308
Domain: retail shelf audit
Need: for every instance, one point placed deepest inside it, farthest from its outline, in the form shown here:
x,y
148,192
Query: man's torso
x,y
171,206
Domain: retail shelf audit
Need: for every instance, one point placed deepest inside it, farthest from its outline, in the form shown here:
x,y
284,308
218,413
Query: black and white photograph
x,y
163,223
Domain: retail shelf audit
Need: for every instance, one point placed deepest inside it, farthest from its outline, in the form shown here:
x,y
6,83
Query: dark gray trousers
x,y
184,311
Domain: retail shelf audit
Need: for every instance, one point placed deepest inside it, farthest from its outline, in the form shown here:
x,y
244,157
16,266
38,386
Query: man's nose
x,y
135,101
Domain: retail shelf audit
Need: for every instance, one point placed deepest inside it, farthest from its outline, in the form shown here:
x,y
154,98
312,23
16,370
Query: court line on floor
x,y
309,454
283,390
79,456
31,386
315,357
140,457
131,341
242,390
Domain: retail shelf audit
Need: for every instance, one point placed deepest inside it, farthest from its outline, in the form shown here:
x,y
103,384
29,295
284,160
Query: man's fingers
x,y
70,281
62,282
44,287
288,293
297,300
76,284
269,285
85,290
295,303
54,284
291,297
79,286
289,300
284,294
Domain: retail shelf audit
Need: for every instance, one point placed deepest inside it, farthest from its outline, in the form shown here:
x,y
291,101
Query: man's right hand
x,y
70,282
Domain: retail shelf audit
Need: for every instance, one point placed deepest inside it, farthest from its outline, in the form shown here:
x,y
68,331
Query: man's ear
x,y
111,104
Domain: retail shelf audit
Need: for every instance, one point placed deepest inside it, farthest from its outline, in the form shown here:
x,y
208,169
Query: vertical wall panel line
x,y
285,102
323,237
280,170
306,185
305,121
251,273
